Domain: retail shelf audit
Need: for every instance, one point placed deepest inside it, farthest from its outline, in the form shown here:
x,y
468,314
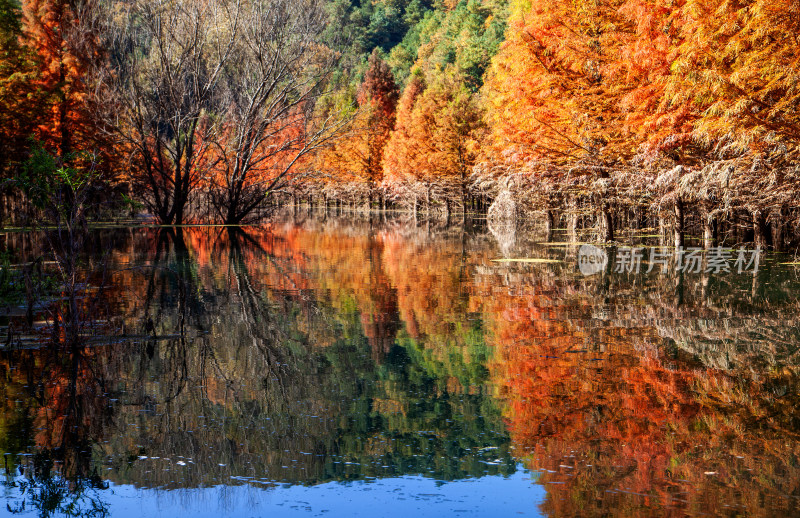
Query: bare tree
x,y
271,119
218,94
167,58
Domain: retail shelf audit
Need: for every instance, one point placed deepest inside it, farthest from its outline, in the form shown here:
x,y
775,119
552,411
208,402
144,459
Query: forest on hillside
x,y
598,114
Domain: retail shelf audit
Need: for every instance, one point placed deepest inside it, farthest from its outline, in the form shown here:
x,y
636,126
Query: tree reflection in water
x,y
307,352
242,353
613,391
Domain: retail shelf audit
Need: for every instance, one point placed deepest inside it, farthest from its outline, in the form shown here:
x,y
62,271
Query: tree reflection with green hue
x,y
303,353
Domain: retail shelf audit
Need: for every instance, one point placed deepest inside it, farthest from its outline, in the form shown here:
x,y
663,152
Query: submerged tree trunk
x,y
572,221
678,227
607,225
548,224
759,229
465,201
662,230
428,202
708,228
778,229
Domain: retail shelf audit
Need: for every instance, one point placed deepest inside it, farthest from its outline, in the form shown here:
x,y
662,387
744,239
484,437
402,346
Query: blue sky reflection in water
x,y
402,497
348,366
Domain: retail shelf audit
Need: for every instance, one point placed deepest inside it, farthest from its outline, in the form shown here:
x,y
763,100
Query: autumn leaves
x,y
603,112
607,108
601,101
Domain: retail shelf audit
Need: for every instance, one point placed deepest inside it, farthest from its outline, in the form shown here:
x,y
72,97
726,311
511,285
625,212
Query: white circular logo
x,y
591,259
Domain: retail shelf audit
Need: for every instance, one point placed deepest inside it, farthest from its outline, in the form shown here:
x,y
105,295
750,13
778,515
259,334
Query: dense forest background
x,y
681,116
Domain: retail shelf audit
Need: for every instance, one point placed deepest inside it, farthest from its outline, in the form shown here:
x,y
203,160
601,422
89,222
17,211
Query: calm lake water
x,y
338,368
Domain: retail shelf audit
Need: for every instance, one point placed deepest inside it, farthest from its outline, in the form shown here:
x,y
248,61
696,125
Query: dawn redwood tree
x,y
404,153
450,117
735,71
48,49
738,63
400,154
645,64
378,95
357,157
568,93
437,140
49,28
552,91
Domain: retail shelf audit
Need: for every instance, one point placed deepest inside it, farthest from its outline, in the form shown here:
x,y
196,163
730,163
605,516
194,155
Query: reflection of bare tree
x,y
259,326
231,360
165,306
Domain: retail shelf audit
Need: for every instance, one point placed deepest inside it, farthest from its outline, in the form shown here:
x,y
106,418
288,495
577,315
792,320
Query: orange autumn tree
x,y
379,94
551,94
49,50
735,71
18,93
357,157
738,62
576,102
66,48
645,65
437,140
402,154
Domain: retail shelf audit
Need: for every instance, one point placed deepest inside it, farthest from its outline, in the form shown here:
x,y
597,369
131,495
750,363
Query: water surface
x,y
331,368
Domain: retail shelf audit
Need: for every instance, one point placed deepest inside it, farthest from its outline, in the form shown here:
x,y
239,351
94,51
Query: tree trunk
x,y
640,216
464,202
759,229
678,226
778,229
428,203
708,229
548,224
607,225
572,221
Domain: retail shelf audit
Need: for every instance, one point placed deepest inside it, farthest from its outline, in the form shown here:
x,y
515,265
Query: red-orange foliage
x,y
738,63
438,133
237,177
598,412
403,153
552,91
65,49
358,156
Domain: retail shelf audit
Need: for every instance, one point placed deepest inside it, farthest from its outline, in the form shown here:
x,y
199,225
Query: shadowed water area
x,y
342,368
